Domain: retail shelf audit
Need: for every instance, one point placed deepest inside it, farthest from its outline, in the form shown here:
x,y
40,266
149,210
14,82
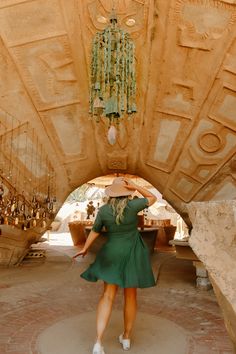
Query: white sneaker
x,y
98,349
124,342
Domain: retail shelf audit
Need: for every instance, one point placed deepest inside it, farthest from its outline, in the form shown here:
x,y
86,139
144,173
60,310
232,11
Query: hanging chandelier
x,y
27,178
113,81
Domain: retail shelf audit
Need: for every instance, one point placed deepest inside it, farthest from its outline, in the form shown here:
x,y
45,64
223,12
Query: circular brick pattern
x,y
30,307
76,335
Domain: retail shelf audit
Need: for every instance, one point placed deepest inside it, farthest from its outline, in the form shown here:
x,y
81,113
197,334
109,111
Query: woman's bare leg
x,y
104,309
130,309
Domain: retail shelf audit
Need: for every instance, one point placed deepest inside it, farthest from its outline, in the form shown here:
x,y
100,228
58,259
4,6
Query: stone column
x,y
202,280
213,239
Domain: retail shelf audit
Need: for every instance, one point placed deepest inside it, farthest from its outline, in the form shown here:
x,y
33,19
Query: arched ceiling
x,y
183,137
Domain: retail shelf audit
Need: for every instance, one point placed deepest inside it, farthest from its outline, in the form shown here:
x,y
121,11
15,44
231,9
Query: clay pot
x,y
77,232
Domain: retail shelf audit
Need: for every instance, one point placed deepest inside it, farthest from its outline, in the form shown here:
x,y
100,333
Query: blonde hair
x,y
118,205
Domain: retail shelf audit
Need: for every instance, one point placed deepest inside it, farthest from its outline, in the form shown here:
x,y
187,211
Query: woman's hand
x,y
130,185
82,253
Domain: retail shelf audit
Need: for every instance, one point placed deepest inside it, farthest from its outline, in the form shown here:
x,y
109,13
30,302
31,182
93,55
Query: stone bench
x,y
184,251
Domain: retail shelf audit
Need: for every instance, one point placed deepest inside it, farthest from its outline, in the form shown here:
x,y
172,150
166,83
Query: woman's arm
x,y
145,192
91,238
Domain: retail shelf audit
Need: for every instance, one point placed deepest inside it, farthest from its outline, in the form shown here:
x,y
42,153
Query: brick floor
x,y
40,293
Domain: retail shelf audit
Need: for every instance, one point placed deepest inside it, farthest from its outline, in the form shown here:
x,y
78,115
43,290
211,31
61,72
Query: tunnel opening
x,y
82,205
161,227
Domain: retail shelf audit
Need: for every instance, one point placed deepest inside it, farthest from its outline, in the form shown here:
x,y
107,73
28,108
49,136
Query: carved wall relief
x,y
48,72
203,22
185,186
223,109
179,99
132,15
168,135
13,99
117,162
229,63
210,145
66,127
225,190
223,185
187,75
30,21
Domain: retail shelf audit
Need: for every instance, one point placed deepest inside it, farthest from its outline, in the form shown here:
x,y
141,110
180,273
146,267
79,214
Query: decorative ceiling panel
x,y
31,21
66,127
48,72
183,136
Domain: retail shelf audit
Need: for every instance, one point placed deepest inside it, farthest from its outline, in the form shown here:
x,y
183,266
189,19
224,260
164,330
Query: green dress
x,y
124,258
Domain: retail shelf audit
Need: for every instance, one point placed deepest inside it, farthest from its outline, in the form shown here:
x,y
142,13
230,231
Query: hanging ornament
x,y
22,191
37,216
113,78
111,135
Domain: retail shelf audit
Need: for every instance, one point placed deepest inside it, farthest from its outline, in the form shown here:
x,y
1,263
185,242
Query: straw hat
x,y
118,189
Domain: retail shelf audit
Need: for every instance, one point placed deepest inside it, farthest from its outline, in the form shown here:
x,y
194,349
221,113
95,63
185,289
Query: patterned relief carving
x,y
48,72
30,21
222,185
179,99
132,14
224,102
168,135
66,128
223,108
229,62
185,186
210,141
201,22
224,190
14,100
117,162
210,145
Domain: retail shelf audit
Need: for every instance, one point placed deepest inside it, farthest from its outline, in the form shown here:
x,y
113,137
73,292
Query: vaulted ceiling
x,y
183,137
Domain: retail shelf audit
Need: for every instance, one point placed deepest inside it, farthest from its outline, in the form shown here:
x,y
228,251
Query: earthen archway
x,y
182,139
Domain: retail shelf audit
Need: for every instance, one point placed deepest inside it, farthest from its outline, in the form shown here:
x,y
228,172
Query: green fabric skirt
x,y
123,260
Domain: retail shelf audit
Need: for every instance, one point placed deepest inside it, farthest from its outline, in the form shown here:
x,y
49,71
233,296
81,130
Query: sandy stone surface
x,y
42,296
151,332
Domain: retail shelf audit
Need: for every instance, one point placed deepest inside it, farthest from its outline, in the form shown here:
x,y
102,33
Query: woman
x,y
124,260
